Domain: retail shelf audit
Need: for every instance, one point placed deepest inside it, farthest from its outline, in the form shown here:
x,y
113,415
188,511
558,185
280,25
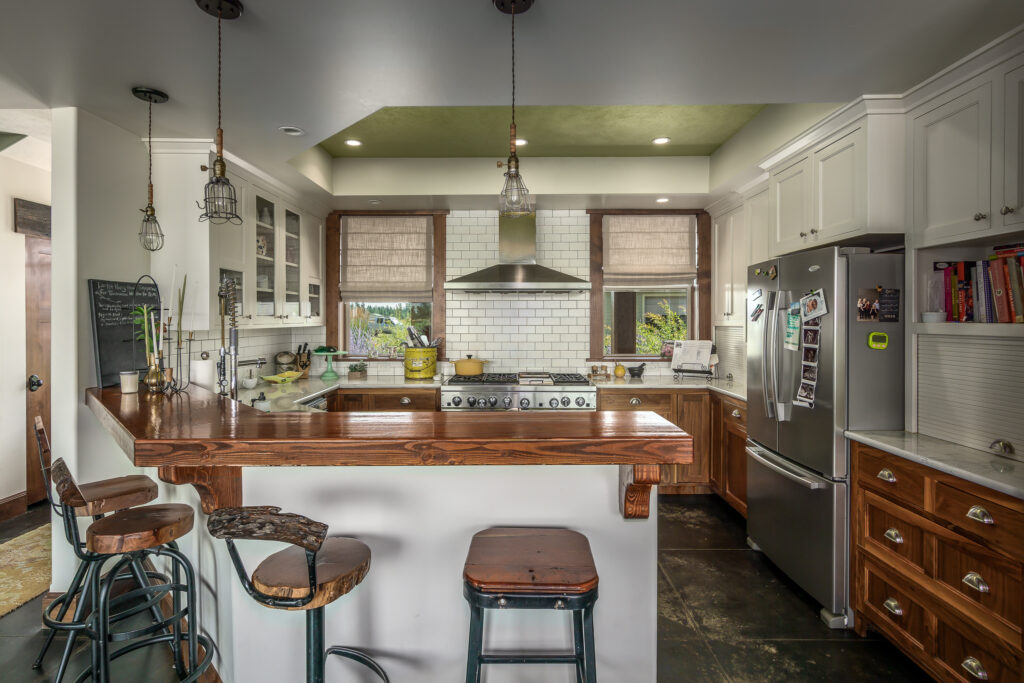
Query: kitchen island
x,y
414,487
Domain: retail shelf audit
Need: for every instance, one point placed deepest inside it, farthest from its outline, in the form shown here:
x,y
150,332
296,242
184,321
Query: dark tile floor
x,y
725,613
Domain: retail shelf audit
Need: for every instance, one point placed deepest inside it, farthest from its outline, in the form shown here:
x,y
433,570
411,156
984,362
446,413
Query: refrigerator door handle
x,y
804,481
767,356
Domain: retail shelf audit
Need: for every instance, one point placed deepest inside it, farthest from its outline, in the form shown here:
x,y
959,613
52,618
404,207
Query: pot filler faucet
x,y
228,363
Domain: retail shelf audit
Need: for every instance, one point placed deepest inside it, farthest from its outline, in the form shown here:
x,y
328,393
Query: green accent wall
x,y
552,131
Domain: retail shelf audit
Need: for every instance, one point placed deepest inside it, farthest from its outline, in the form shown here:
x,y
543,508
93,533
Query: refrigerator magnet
x,y
755,295
792,339
773,273
813,305
812,335
809,372
805,395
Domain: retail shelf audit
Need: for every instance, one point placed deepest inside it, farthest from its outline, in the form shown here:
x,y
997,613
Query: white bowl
x,y
249,382
933,316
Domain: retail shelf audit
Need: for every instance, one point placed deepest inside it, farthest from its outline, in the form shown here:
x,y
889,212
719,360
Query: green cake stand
x,y
329,374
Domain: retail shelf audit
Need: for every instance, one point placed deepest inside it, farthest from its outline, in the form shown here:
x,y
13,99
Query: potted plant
x,y
357,371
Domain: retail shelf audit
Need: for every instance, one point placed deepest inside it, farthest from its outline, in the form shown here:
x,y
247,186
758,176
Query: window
x,y
387,266
650,287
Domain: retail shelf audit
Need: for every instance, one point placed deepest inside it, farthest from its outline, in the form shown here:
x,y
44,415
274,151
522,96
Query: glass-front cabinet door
x,y
292,255
266,258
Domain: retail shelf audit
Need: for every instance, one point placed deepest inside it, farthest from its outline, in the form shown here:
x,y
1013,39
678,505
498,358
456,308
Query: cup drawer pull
x,y
635,401
894,536
974,667
980,514
405,400
737,414
886,475
893,607
974,580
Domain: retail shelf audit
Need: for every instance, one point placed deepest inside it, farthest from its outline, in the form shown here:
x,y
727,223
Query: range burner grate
x,y
486,378
568,378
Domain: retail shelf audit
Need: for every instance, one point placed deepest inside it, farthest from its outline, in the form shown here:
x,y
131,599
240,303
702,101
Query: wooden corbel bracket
x,y
218,487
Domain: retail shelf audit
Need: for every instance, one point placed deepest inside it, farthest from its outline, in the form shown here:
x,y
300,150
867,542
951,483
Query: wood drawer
x,y
890,474
957,651
996,580
402,401
892,610
734,413
997,526
656,401
891,533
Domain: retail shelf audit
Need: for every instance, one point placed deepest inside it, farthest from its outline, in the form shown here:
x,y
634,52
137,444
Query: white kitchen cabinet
x,y
757,212
731,245
952,165
790,188
1009,199
311,270
840,173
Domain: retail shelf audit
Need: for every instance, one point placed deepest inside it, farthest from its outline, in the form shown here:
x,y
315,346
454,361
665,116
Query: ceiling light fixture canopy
x,y
150,235
220,205
515,197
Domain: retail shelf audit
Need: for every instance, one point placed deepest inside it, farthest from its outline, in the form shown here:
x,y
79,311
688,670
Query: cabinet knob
x,y
980,514
814,231
405,400
803,234
893,607
635,401
974,580
894,535
737,414
980,216
1006,210
974,667
886,475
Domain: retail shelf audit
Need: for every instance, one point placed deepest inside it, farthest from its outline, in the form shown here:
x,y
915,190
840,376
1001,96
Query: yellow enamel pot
x,y
469,366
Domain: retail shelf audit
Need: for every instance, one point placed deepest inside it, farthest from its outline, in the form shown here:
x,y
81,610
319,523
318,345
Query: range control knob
x,y
506,401
471,401
580,401
524,403
492,401
456,401
553,403
566,401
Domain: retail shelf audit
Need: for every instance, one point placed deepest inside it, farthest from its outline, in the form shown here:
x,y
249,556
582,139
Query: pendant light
x,y
150,235
515,198
219,202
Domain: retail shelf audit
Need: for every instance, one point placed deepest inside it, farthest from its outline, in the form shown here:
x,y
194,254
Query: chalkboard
x,y
110,308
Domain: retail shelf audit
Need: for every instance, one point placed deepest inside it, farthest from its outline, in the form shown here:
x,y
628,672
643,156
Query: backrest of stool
x,y
43,448
67,489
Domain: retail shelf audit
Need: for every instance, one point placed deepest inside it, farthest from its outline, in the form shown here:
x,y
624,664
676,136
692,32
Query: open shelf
x,y
265,258
265,289
264,226
970,329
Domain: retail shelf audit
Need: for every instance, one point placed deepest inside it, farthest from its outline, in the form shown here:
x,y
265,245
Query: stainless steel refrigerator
x,y
807,382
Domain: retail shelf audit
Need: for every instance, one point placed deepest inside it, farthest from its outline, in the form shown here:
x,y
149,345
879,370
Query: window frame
x,y
334,315
700,309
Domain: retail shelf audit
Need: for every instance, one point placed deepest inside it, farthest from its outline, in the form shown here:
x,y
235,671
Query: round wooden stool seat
x,y
341,564
139,528
111,495
538,561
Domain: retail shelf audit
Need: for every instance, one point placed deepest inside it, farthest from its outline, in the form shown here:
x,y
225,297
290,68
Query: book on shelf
x,y
989,290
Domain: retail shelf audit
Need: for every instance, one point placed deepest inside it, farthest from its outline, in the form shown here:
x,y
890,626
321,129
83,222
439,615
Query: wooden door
x,y
734,454
693,410
37,357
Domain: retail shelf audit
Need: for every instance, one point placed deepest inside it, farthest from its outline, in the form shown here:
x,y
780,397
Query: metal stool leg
x,y
361,657
85,598
578,647
476,643
76,583
588,636
315,645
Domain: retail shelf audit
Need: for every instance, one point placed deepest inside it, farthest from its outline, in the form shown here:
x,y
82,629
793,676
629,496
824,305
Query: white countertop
x,y
981,467
731,388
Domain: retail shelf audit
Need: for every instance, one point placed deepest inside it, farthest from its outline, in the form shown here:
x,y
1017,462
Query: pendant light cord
x,y
219,13
149,134
513,62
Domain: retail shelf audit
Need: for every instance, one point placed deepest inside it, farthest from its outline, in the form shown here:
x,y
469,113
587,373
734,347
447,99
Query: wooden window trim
x,y
702,289
332,298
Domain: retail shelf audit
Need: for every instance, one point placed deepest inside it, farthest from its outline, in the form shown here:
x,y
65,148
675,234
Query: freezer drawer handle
x,y
974,667
980,514
778,469
974,580
894,535
886,475
893,606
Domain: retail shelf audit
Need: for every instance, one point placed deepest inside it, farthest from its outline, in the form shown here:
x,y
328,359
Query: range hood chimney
x,y
517,269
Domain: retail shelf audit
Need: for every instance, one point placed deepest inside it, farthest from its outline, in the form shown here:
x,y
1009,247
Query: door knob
x,y
34,383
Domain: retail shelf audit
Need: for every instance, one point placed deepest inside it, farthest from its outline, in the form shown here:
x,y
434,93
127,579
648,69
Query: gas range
x,y
519,391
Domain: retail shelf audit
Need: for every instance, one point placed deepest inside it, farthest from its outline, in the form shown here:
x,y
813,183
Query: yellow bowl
x,y
283,377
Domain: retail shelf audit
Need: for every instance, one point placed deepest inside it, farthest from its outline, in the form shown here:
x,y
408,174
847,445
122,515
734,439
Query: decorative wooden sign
x,y
31,218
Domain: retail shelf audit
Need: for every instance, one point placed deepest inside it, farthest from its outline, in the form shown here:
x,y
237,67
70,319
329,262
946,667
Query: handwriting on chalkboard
x,y
111,305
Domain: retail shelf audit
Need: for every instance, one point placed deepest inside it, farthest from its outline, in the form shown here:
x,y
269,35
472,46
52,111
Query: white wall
x,y
17,180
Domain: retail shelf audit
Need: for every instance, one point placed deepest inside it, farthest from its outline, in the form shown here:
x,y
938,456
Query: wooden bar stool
x,y
134,534
314,572
519,568
99,498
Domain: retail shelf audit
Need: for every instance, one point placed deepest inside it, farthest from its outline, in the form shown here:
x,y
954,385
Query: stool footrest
x,y
527,658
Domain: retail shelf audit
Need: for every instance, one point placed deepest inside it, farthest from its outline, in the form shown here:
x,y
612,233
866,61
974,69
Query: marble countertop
x,y
981,467
731,388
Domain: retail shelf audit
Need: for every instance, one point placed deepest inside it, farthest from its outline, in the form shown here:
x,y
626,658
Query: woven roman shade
x,y
386,258
641,252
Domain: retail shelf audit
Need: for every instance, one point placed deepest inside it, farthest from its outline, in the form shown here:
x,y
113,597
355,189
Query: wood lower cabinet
x,y
384,400
728,451
938,567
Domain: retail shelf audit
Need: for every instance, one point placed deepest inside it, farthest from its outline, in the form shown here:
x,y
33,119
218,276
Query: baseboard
x,y
684,489
12,506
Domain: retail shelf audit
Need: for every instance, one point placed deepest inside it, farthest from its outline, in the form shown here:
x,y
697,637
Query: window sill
x,y
644,359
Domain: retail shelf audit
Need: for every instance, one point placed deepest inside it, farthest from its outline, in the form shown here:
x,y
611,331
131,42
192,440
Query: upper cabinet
x,y
757,212
790,188
1010,201
731,248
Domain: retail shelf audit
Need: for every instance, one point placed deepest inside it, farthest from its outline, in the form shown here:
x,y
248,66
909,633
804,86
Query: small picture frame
x,y
806,392
809,372
810,354
813,305
811,336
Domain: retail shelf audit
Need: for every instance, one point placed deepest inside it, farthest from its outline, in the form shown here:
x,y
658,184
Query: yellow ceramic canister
x,y
420,363
620,370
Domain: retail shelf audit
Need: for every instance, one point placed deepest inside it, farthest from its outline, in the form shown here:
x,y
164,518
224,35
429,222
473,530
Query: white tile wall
x,y
262,342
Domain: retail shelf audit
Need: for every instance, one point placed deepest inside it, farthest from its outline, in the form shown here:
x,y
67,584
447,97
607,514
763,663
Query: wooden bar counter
x,y
203,439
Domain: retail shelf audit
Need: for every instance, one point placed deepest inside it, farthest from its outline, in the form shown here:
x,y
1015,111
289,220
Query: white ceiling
x,y
324,64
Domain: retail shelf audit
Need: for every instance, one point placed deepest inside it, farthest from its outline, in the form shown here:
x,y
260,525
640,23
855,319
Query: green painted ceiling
x,y
8,139
552,131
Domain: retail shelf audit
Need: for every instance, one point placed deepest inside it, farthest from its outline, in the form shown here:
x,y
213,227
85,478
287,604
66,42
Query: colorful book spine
x,y
947,284
961,293
1011,304
999,290
986,292
976,307
1016,289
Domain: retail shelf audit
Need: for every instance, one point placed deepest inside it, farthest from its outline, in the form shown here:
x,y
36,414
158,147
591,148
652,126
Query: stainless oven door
x,y
800,521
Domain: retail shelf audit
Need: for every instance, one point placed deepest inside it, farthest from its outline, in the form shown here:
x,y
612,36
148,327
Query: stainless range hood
x,y
517,269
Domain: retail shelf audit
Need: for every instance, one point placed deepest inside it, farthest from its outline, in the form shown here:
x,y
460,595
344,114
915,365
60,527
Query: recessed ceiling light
x,y
520,142
662,200
661,141
375,202
292,130
354,143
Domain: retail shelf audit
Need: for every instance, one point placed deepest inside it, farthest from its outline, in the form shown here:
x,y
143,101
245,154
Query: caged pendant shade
x,y
515,198
220,204
150,235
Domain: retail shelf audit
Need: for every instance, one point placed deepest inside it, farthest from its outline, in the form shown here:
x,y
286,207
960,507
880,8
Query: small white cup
x,y
249,382
130,382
